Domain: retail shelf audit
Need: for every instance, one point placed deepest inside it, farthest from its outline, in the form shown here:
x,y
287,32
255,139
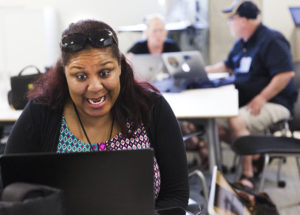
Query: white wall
x,y
22,42
278,16
114,12
30,29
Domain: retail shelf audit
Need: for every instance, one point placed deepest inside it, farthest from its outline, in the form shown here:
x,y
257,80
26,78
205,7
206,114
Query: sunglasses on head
x,y
77,41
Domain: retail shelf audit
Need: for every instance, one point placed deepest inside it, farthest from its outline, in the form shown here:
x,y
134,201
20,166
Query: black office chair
x,y
294,123
273,146
291,124
268,146
263,144
24,198
1,132
4,133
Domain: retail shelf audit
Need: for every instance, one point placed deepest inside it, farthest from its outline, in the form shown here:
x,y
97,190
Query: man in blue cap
x,y
262,64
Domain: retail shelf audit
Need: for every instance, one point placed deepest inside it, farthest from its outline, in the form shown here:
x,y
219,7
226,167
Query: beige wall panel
x,y
220,39
278,16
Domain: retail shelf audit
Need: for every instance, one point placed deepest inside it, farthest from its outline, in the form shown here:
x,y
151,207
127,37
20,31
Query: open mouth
x,y
96,101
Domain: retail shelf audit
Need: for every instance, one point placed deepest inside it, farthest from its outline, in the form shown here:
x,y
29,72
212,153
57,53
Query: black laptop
x,y
111,182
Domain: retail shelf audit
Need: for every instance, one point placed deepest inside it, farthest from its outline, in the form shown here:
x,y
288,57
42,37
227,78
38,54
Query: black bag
x,y
258,204
33,199
20,85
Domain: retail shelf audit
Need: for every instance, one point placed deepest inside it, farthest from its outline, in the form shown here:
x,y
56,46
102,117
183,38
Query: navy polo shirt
x,y
256,61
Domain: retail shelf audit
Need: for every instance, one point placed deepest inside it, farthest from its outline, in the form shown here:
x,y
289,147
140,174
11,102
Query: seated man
x,y
156,38
157,43
262,64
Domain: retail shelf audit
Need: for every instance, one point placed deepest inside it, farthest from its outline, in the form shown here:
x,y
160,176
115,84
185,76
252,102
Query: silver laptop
x,y
147,67
187,68
186,64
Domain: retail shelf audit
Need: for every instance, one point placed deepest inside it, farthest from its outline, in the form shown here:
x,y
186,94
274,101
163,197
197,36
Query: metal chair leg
x,y
298,164
280,183
262,180
203,181
234,166
239,168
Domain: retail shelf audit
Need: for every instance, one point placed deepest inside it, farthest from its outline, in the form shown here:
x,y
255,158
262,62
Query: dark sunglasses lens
x,y
108,42
101,39
73,42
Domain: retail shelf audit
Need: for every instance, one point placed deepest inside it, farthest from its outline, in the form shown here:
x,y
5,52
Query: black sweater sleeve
x,y
171,156
25,134
36,130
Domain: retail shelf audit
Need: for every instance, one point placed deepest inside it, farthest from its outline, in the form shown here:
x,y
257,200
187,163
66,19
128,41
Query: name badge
x,y
245,64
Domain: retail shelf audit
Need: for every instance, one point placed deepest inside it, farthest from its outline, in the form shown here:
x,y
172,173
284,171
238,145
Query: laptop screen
x,y
110,182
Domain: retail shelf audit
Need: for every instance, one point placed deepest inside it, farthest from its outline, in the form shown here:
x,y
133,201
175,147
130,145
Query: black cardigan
x,y
38,129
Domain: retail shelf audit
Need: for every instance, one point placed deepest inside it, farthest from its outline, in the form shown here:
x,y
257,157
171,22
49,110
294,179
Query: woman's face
x,y
93,78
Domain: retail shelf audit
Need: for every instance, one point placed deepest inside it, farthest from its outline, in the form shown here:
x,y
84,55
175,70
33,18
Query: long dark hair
x,y
134,103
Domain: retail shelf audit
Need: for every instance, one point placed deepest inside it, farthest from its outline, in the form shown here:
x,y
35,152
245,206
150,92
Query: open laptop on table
x,y
147,67
185,64
222,197
187,69
110,182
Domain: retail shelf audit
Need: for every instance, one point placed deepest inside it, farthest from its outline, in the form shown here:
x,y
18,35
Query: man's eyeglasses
x,y
77,41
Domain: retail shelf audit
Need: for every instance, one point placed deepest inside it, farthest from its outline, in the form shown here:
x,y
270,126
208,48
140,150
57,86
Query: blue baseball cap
x,y
243,8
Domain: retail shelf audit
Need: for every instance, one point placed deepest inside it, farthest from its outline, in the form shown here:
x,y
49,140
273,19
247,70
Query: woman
x,y
90,102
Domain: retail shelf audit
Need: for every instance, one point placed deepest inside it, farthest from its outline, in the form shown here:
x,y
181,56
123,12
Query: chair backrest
x,y
294,124
290,124
297,76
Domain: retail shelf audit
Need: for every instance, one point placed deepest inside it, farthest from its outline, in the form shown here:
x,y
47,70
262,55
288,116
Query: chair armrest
x,y
197,133
280,125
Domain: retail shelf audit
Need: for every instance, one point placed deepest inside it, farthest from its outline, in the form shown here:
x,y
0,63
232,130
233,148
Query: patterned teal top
x,y
139,140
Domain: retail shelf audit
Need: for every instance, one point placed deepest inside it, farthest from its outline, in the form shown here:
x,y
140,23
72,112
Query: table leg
x,y
215,155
